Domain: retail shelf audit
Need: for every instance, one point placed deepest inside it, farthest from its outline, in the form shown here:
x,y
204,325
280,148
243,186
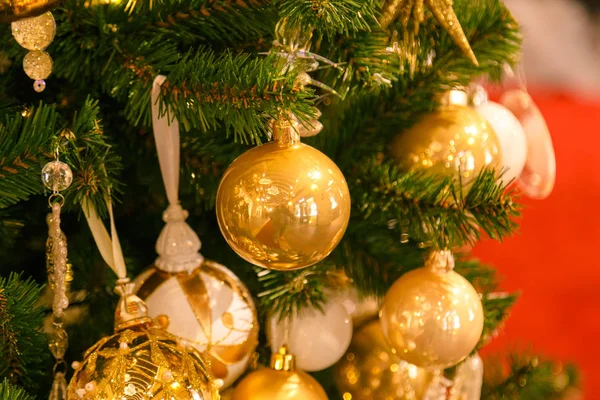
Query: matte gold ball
x,y
283,206
37,64
448,141
370,371
432,318
269,384
141,363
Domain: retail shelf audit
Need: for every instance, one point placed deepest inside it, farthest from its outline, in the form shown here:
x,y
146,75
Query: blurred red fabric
x,y
552,260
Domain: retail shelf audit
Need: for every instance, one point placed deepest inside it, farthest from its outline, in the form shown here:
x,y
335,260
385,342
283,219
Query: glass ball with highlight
x,y
432,317
453,141
283,205
369,370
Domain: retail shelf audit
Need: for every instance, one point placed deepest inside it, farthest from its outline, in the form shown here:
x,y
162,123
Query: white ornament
x,y
318,340
511,135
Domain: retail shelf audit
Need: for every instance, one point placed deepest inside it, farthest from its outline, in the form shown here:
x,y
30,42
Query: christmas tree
x,y
370,84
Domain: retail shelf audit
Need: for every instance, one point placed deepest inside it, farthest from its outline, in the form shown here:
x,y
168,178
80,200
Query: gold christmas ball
x,y
14,10
269,384
432,316
370,371
208,308
37,64
450,140
141,363
35,33
283,205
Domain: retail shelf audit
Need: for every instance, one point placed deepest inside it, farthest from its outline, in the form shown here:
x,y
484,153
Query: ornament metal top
x,y
283,205
14,10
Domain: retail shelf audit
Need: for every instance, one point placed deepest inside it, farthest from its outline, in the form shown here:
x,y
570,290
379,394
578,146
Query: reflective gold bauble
x,y
281,381
452,139
208,308
283,205
140,361
432,316
13,10
37,64
370,371
35,33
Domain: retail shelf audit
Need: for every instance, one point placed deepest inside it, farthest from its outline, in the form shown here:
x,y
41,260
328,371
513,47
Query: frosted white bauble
x,y
511,136
317,339
208,308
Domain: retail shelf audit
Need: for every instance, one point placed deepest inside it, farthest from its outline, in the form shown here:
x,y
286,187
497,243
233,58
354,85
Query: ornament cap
x,y
454,97
178,246
440,261
131,310
283,360
286,132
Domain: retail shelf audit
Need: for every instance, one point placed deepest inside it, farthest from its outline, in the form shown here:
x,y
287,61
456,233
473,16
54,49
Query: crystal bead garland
x,y
35,34
57,176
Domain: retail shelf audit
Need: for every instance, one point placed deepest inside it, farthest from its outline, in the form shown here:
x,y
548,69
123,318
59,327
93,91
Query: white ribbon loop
x,y
178,245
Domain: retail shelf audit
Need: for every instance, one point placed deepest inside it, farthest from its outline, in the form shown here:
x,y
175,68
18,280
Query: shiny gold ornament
x,y
35,33
279,382
13,10
370,371
139,362
283,205
432,316
415,9
450,140
209,309
37,64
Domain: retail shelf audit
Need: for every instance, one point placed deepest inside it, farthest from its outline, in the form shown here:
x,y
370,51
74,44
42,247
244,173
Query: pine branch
x,y
10,392
22,344
527,378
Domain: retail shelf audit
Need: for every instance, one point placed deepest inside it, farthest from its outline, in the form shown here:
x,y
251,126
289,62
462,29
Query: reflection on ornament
x,y
370,371
279,382
283,205
208,308
35,33
538,176
14,10
450,140
510,135
140,362
432,316
317,339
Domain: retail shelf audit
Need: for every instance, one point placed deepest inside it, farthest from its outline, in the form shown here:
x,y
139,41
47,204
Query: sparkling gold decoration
x,y
450,140
279,382
37,64
35,33
13,10
139,362
415,9
370,371
432,316
283,205
209,309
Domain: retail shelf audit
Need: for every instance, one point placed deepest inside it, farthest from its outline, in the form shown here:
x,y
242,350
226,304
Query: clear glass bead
x,y
57,176
37,64
39,85
35,33
58,341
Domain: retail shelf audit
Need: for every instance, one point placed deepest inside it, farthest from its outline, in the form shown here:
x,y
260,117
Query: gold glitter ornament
x,y
432,316
208,308
451,140
35,33
369,370
14,10
37,64
140,361
281,381
414,10
283,205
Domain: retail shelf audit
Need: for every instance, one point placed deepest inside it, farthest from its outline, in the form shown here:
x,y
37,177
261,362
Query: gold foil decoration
x,y
414,10
193,286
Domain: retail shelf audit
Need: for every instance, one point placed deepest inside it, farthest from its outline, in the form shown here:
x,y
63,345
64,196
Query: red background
x,y
554,259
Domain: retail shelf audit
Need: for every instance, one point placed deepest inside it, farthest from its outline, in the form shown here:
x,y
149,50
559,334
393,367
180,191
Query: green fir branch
x,y
11,392
22,344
